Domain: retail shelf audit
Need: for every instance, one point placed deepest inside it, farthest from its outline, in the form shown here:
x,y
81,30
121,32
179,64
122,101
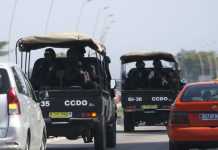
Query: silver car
x,y
21,123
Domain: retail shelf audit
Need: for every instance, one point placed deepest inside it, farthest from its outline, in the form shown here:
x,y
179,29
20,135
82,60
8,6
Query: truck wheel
x,y
128,122
100,135
111,135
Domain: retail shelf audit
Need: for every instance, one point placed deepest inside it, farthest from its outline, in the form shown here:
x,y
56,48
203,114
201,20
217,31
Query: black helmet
x,y
140,64
76,51
107,59
49,53
157,63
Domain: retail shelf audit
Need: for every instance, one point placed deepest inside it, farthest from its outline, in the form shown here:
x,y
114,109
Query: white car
x,y
21,123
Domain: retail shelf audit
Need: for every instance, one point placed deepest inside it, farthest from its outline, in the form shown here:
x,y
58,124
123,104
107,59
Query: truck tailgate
x,y
147,97
67,104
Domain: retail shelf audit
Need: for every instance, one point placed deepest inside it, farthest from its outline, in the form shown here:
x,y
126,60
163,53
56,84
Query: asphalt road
x,y
145,138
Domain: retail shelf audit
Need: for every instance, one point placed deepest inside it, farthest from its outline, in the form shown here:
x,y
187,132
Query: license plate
x,y
209,116
60,115
150,106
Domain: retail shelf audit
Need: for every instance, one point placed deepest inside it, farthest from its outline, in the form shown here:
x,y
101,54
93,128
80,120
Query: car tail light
x,y
178,117
13,103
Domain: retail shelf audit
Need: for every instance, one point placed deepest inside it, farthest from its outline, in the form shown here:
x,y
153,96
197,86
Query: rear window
x,y
4,81
199,93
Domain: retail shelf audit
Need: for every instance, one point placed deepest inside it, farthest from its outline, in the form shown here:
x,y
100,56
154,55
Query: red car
x,y
193,121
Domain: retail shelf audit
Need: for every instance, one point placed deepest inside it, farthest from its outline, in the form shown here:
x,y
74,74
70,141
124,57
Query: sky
x,y
139,25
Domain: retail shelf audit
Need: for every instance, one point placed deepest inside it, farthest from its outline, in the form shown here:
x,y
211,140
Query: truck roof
x,y
7,65
134,56
59,40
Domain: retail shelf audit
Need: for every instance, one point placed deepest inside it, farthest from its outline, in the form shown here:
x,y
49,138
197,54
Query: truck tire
x,y
128,122
111,135
100,135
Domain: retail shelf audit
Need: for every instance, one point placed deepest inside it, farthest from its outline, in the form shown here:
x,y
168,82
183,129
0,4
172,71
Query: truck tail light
x,y
130,108
89,115
13,103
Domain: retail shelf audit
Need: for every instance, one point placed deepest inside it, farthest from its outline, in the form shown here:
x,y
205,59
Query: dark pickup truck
x,y
75,91
148,90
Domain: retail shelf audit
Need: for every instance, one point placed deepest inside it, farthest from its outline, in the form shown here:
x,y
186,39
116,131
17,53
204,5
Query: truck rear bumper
x,y
150,116
74,126
71,120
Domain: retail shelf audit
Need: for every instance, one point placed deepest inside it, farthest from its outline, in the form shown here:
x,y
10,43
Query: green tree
x,y
195,64
2,44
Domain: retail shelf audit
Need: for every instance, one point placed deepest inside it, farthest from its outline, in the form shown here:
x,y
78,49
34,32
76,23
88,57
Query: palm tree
x,y
2,44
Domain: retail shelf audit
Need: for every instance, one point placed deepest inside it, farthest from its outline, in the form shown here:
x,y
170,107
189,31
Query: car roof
x,y
202,83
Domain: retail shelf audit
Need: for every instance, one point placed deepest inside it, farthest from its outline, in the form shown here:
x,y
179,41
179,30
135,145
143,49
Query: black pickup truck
x,y
149,88
76,96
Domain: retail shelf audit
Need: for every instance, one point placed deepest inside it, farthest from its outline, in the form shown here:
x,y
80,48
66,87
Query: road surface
x,y
145,138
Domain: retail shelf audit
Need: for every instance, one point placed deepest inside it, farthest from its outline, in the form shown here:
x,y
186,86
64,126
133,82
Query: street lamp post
x,y
105,31
97,19
210,63
215,63
202,66
11,25
49,16
80,13
106,27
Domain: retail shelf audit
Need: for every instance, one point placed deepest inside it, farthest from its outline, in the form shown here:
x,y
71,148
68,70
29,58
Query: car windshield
x,y
208,92
4,81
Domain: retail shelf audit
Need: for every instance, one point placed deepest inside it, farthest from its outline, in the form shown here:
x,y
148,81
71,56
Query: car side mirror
x,y
182,83
112,93
113,84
